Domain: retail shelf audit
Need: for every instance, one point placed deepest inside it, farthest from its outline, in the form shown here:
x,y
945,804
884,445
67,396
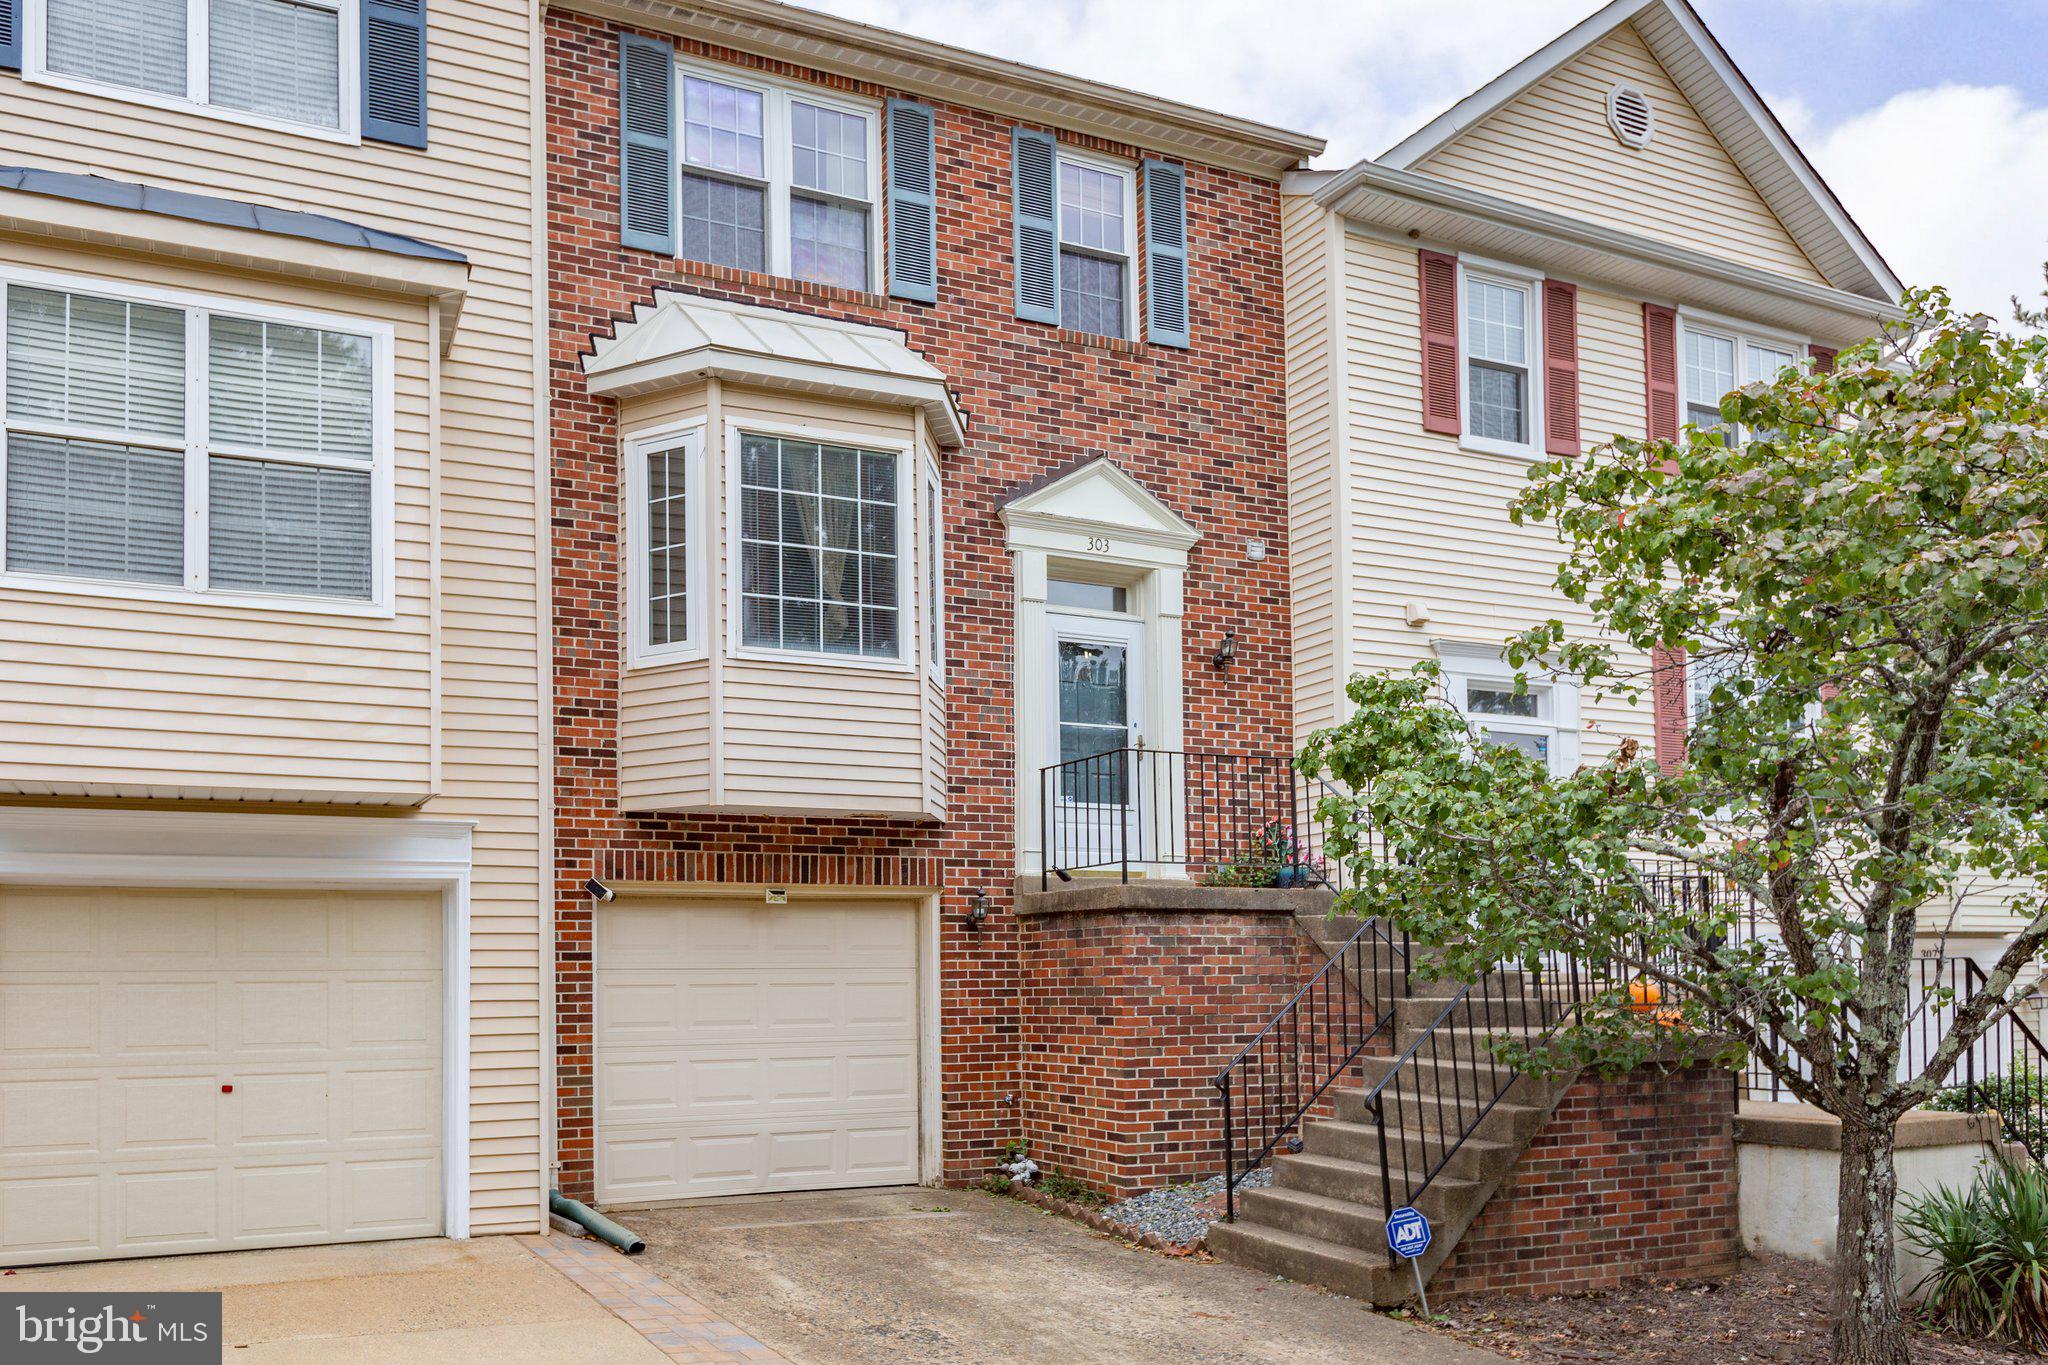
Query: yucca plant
x,y
1989,1245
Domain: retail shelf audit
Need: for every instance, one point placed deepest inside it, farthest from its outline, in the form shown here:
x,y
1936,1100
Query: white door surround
x,y
1094,523
1105,653
55,846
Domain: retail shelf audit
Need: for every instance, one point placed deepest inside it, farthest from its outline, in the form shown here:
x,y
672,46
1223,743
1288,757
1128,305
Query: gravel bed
x,y
1181,1214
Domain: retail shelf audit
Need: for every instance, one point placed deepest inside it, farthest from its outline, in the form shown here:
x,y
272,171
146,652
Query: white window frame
x,y
777,160
1128,173
908,566
932,508
1743,335
687,437
348,27
1557,700
1531,283
198,449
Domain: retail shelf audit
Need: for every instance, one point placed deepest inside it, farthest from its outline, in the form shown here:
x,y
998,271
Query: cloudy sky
x,y
1929,117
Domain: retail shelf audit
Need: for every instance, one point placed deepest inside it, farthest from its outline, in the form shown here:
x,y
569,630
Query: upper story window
x,y
1717,360
820,536
185,450
665,480
277,61
778,180
1097,226
1498,329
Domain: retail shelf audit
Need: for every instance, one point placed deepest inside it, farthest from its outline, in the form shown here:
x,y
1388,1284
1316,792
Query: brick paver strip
x,y
679,1326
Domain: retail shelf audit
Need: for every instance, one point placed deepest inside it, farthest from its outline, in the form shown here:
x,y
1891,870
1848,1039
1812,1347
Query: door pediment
x,y
1097,495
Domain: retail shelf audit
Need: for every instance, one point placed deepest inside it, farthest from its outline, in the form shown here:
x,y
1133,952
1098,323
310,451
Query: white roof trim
x,y
683,337
901,61
1440,213
1733,111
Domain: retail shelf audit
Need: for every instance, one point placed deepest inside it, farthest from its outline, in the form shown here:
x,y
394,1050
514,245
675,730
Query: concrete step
x,y
1309,1214
1358,1182
1511,1120
1476,1159
1346,1269
1466,1076
1416,1012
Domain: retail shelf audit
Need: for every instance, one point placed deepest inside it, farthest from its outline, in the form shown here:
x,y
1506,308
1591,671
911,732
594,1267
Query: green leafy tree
x,y
1856,560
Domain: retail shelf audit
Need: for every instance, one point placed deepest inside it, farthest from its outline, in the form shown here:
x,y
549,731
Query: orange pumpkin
x,y
1644,996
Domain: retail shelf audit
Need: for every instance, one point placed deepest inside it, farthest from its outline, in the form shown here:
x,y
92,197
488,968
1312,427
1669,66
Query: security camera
x,y
599,891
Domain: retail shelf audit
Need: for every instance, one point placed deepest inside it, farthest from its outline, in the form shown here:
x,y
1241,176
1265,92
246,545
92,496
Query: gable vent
x,y
1631,115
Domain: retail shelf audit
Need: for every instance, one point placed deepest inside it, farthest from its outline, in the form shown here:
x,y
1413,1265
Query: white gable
x,y
1099,494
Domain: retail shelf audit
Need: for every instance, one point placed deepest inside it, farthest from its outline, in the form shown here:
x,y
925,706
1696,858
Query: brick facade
x,y
1202,429
1128,1016
1631,1177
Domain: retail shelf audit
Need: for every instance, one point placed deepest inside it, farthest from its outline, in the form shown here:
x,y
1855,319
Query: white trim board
x,y
72,847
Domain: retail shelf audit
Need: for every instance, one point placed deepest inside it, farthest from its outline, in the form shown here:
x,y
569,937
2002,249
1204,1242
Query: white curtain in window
x,y
95,510
81,361
288,528
275,387
276,58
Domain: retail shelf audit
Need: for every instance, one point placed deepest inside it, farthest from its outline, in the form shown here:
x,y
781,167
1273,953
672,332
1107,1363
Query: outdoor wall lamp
x,y
1226,653
977,910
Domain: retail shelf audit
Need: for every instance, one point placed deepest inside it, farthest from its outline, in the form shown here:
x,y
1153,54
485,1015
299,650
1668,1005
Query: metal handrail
x,y
1283,1096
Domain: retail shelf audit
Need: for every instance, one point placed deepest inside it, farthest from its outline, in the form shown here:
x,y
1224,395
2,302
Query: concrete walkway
x,y
381,1303
903,1275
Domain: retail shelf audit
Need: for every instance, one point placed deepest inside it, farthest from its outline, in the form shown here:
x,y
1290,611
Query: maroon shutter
x,y
1561,368
1660,379
1439,276
1660,370
1668,697
1823,358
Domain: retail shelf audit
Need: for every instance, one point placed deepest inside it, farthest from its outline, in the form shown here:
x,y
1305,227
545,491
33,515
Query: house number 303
x,y
1098,545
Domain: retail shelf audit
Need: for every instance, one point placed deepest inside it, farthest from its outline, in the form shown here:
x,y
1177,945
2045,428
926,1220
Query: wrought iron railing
x,y
1270,1086
1245,819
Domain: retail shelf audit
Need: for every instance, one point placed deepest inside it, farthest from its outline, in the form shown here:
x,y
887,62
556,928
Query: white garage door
x,y
211,1070
745,1047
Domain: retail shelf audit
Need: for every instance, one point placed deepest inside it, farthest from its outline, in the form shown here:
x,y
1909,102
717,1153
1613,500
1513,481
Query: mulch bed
x,y
1772,1309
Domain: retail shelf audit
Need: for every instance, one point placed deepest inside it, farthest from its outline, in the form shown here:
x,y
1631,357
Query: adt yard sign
x,y
1408,1233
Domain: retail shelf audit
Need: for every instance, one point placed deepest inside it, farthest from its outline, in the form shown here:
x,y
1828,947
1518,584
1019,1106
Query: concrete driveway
x,y
960,1276
381,1303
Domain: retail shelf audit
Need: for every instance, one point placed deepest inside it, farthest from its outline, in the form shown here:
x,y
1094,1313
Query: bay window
x,y
777,180
286,61
178,448
666,569
821,526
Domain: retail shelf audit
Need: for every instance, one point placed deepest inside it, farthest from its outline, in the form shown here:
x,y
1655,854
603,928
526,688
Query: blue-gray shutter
x,y
10,34
1166,254
1033,159
913,202
647,144
394,71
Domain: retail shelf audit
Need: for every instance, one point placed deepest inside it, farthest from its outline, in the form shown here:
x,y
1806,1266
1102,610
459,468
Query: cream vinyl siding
x,y
1428,522
472,189
767,734
101,695
1308,241
1551,147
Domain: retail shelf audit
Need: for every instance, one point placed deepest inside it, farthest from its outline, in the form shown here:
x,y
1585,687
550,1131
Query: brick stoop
x,y
1555,1175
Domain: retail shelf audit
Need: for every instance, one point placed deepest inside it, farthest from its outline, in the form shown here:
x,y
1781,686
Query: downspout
x,y
595,1223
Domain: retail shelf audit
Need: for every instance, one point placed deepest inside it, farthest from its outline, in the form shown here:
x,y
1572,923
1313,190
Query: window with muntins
x,y
1541,720
281,60
777,180
1716,361
1499,375
668,547
187,449
1097,228
820,568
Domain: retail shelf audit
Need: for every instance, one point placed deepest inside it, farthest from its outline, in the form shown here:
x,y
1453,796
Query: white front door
x,y
1095,721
